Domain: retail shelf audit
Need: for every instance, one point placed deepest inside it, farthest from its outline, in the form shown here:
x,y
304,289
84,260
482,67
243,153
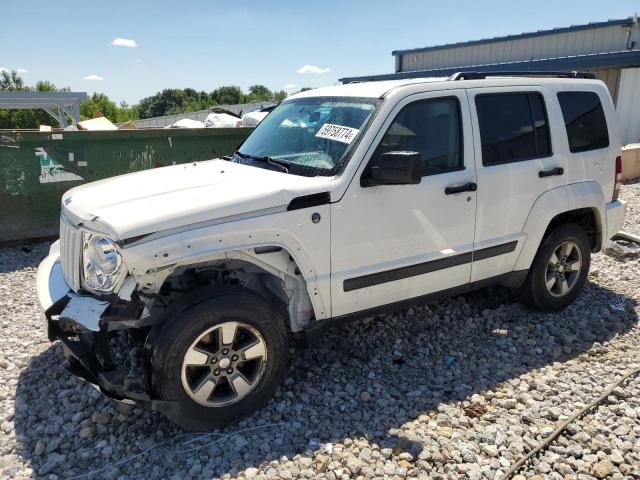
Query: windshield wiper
x,y
281,165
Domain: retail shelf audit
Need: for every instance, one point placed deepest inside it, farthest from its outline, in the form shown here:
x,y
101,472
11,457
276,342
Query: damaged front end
x,y
103,337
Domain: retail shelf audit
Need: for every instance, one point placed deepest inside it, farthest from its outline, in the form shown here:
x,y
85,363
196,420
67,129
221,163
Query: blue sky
x,y
204,44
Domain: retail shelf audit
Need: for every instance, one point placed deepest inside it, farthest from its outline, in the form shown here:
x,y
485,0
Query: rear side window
x,y
513,127
585,121
433,129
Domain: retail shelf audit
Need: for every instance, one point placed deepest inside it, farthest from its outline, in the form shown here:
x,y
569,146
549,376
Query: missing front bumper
x,y
96,356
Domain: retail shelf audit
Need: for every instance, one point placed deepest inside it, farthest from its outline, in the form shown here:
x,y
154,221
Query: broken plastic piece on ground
x,y
629,237
621,246
623,306
315,444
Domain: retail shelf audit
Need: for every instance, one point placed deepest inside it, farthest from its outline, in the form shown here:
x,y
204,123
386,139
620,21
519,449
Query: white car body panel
x,y
570,197
376,229
614,213
50,281
294,231
506,192
169,197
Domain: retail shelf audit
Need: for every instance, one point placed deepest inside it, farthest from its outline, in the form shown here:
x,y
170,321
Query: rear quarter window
x,y
584,120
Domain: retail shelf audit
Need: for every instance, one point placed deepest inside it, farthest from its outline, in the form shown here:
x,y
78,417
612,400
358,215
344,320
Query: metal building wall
x,y
628,105
610,76
577,41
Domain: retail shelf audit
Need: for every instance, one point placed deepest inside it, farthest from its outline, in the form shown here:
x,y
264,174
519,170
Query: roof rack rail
x,y
481,75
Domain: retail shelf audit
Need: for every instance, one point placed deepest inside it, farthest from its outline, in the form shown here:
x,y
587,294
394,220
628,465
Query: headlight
x,y
102,263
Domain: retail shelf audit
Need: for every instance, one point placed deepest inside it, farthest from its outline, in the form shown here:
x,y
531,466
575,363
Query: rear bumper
x,y
614,212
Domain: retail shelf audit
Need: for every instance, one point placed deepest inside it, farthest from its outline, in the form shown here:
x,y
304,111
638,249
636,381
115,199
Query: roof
x,y
380,89
56,104
364,90
538,33
626,58
39,99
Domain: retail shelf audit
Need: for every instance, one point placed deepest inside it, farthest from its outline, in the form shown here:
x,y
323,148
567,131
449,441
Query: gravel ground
x,y
461,389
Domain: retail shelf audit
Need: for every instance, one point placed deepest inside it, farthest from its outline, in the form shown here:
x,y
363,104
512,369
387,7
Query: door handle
x,y
551,173
467,187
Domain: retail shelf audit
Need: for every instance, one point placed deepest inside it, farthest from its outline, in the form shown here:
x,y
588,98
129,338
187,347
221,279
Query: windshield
x,y
310,136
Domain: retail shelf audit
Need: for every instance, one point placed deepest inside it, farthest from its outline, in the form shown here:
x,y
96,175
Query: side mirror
x,y
393,168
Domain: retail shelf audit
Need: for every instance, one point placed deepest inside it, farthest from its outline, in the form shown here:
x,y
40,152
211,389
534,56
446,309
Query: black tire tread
x,y
533,292
201,310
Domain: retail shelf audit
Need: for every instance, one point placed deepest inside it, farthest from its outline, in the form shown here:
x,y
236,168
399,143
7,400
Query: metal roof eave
x,y
630,58
56,104
20,100
539,33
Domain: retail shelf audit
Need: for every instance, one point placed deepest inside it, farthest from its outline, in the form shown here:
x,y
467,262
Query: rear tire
x,y
559,270
220,359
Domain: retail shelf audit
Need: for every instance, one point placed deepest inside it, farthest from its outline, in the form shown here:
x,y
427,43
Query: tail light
x,y
617,181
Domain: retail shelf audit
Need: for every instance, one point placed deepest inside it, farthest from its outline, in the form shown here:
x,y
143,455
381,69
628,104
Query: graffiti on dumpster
x,y
53,170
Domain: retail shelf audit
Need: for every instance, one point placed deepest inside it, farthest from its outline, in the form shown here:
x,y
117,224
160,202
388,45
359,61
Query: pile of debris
x,y
221,118
217,118
98,122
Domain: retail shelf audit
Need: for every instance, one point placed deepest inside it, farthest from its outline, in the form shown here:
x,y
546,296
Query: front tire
x,y
220,359
559,270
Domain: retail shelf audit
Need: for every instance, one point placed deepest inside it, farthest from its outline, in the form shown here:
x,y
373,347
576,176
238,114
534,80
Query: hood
x,y
169,197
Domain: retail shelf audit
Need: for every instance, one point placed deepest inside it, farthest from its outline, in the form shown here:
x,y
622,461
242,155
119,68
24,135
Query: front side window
x,y
433,129
585,121
309,136
513,127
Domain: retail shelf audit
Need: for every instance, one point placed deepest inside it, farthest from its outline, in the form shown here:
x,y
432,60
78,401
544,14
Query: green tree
x,y
33,118
279,95
46,86
11,82
227,95
167,102
99,102
28,118
172,101
259,93
127,112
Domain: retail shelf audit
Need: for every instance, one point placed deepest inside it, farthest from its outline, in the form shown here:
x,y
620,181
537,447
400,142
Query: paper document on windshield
x,y
337,133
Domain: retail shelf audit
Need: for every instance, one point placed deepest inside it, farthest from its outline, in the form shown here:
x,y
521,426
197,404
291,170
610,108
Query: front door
x,y
397,242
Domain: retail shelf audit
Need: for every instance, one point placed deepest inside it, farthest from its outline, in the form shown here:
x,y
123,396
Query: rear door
x,y
516,163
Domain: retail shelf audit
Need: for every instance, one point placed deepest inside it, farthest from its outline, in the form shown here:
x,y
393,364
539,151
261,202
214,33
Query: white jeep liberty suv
x,y
344,202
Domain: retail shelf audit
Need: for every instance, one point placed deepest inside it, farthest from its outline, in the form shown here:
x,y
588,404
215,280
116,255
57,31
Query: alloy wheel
x,y
563,268
224,364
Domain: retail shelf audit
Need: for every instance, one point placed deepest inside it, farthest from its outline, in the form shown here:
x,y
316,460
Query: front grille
x,y
70,254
